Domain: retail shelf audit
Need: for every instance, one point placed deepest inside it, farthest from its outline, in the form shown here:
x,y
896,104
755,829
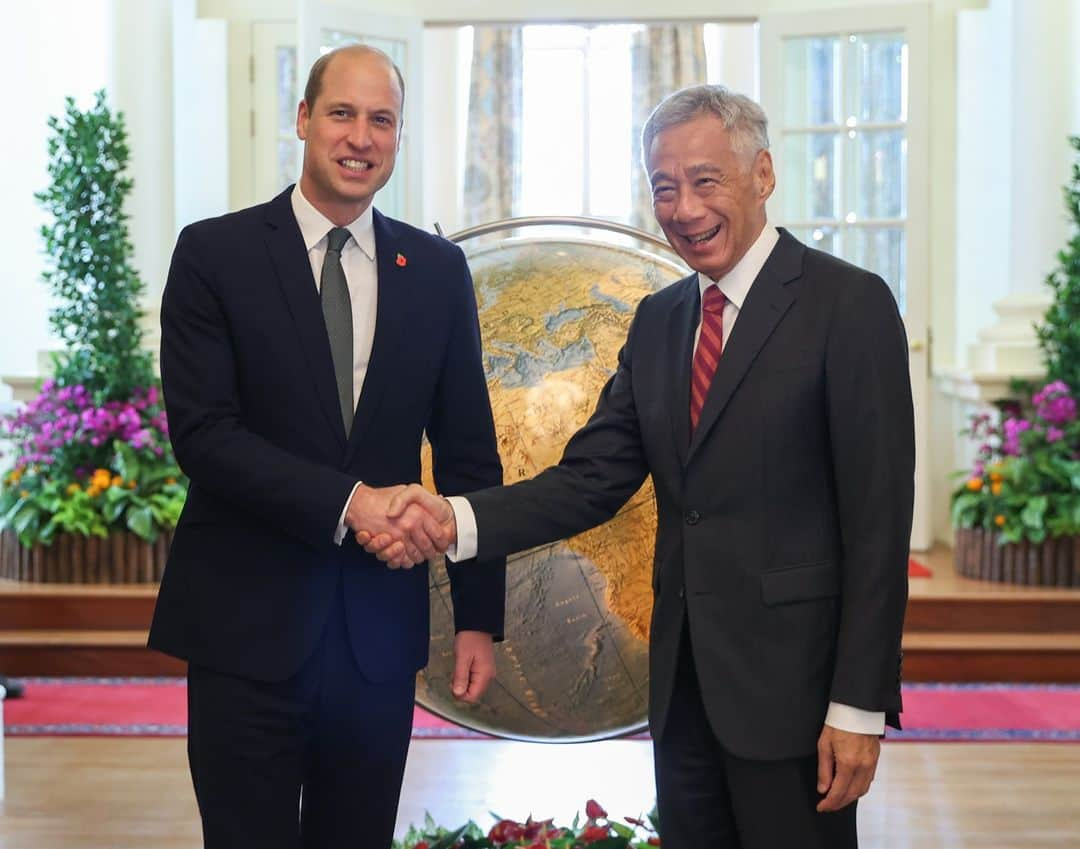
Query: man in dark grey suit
x,y
768,396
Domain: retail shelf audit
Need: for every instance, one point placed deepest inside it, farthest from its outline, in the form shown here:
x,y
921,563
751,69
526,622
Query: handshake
x,y
401,525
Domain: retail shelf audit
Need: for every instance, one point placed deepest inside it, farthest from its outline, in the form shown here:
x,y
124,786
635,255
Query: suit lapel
x,y
290,260
391,323
767,301
682,323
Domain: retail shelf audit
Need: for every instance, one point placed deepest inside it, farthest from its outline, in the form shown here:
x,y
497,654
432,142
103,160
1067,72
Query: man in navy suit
x,y
308,344
768,396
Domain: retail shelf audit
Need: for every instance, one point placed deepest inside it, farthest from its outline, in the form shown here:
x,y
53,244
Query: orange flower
x,y
117,481
24,493
93,490
101,478
995,487
975,484
131,484
72,488
996,477
170,481
999,520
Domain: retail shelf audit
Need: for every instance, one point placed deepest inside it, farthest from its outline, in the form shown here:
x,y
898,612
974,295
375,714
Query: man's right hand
x,y
416,517
400,533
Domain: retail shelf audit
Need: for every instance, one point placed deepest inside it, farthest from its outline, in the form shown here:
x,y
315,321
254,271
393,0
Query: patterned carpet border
x,y
1055,719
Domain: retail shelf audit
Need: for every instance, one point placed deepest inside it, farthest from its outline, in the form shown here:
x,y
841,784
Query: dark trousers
x,y
707,796
313,761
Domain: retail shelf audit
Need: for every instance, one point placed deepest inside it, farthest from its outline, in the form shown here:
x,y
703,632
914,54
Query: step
x,y
1041,611
1047,657
82,653
68,607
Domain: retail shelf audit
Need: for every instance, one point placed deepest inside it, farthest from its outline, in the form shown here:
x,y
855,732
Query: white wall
x,y
52,52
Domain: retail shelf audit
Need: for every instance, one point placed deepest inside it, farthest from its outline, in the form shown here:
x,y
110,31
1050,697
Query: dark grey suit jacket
x,y
784,520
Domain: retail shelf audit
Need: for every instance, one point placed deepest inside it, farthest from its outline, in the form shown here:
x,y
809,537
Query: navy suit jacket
x,y
255,422
783,519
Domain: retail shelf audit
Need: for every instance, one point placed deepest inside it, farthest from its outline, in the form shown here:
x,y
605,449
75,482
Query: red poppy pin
x,y
401,261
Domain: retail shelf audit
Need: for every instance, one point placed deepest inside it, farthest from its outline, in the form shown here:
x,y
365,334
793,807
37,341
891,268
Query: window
x,y
576,150
845,148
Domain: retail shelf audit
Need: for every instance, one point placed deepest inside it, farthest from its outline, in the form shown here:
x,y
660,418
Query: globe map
x,y
574,666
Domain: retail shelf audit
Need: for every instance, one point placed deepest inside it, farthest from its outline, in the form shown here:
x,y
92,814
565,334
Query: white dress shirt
x,y
735,285
361,276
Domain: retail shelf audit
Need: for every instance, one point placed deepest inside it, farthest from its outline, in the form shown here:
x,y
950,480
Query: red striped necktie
x,y
707,355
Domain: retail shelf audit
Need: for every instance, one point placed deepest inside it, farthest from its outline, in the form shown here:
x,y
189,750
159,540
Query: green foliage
x,y
1026,479
1059,334
141,499
91,450
598,832
96,289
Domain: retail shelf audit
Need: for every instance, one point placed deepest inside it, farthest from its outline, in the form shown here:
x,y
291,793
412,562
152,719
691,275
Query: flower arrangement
x,y
91,452
597,831
84,467
1025,481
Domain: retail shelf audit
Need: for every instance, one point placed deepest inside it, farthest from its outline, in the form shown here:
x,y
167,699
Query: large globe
x,y
554,312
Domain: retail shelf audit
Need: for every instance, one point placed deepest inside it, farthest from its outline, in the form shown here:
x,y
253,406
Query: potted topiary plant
x,y
1017,512
94,491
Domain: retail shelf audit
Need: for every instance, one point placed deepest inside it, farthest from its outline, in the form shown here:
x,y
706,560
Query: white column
x,y
141,86
1045,77
1018,98
1020,87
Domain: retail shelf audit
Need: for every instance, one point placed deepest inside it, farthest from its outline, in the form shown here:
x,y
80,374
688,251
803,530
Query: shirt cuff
x,y
339,534
855,720
465,522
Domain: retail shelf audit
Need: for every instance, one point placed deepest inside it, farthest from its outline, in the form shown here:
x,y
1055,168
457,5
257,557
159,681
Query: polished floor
x,y
114,793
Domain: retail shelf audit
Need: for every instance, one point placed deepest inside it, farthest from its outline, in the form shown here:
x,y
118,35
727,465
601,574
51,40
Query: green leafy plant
x,y
1025,482
596,832
1059,333
91,451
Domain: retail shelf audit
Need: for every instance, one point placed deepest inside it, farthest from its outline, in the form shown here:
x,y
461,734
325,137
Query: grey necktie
x,y
337,311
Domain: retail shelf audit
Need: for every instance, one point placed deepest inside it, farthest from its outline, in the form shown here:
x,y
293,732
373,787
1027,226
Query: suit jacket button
x,y
693,517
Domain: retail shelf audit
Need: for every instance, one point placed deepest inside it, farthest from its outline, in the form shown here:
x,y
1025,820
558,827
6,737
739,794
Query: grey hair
x,y
743,118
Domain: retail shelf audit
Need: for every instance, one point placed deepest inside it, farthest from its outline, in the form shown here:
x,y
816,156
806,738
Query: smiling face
x,y
351,135
708,199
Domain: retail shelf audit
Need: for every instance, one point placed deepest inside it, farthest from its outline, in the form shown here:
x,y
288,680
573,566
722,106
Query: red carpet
x,y
915,569
156,707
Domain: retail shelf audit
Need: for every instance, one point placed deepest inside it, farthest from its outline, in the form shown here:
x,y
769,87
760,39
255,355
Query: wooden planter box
x,y
121,558
1052,563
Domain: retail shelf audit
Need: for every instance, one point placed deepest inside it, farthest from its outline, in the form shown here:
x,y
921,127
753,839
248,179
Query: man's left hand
x,y
474,665
846,766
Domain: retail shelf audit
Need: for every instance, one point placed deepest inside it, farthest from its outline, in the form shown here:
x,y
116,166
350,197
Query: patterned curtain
x,y
663,59
493,141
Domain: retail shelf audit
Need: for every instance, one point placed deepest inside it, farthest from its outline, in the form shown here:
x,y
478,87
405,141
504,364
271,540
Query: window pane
x,y
810,176
288,162
609,122
823,238
552,173
541,36
392,47
881,250
812,84
881,174
286,84
879,62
